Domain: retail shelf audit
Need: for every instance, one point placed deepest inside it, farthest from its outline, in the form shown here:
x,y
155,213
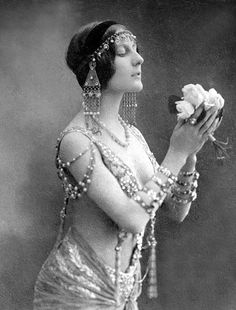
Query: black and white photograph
x,y
118,155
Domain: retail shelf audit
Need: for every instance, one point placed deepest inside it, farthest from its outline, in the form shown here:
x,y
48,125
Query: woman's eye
x,y
121,52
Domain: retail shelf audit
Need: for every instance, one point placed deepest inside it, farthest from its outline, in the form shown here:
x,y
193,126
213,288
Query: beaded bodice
x,y
123,173
74,189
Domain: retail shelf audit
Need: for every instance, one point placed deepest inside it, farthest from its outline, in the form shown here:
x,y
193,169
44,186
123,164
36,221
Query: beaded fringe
x,y
152,269
152,276
62,222
128,108
121,237
117,274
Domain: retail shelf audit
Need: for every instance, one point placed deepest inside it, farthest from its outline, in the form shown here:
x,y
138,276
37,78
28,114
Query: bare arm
x,y
178,211
107,193
104,189
186,141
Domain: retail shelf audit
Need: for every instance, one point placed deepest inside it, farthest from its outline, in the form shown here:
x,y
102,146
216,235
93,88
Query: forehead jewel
x,y
119,37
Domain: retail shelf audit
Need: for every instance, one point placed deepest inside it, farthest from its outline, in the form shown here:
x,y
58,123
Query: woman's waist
x,y
103,245
128,275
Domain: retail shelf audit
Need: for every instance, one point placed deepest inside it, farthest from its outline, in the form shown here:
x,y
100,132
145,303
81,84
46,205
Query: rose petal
x,y
193,95
221,101
207,105
184,108
212,92
215,99
203,92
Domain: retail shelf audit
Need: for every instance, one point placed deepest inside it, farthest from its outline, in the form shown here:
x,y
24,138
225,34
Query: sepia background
x,y
182,42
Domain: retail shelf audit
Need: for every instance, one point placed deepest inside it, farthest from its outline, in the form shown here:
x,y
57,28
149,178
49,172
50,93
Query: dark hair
x,y
75,56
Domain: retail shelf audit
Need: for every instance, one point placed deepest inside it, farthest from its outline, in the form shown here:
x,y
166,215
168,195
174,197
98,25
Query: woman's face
x,y
127,76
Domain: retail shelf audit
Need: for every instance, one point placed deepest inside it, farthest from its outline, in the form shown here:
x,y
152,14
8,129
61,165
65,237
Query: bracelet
x,y
167,173
188,186
183,183
193,173
138,199
186,173
164,186
156,198
193,183
157,180
188,193
147,208
191,198
185,192
182,193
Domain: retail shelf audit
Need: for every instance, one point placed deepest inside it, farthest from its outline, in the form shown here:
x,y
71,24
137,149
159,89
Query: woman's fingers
x,y
208,115
210,129
219,122
180,122
208,123
198,111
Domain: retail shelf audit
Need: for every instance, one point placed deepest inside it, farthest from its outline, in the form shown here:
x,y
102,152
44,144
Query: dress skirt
x,y
74,278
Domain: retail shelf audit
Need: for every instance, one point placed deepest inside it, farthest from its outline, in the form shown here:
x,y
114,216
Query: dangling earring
x,y
92,94
128,108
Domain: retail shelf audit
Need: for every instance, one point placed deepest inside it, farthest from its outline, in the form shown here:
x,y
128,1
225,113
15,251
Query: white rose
x,y
204,93
184,108
214,99
194,94
220,101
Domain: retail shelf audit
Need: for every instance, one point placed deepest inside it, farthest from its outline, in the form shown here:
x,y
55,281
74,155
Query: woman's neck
x,y
110,104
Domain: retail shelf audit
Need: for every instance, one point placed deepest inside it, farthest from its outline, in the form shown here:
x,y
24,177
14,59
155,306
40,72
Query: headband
x,y
95,45
95,37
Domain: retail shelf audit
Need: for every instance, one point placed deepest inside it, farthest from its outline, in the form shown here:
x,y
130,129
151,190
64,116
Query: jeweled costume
x,y
73,276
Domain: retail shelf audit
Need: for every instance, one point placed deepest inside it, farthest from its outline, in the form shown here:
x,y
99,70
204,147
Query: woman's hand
x,y
188,139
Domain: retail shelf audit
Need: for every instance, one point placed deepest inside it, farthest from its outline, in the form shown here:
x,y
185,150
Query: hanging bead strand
x,y
112,135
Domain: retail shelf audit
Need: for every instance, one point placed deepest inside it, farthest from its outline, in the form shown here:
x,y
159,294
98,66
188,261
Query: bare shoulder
x,y
76,139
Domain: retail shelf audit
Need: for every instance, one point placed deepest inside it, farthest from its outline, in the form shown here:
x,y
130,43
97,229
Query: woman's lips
x,y
138,74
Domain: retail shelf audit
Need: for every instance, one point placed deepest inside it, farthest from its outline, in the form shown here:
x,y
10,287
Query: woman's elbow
x,y
180,215
176,213
180,218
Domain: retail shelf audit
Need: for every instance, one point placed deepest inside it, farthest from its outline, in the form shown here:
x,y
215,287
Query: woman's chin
x,y
137,88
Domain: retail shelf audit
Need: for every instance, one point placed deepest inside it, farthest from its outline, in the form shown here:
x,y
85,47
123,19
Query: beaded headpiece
x,y
94,48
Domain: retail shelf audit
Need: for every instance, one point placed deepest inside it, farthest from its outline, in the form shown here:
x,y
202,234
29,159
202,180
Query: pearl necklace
x,y
114,137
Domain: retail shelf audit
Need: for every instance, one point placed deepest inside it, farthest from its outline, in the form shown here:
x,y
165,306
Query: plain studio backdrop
x,y
182,42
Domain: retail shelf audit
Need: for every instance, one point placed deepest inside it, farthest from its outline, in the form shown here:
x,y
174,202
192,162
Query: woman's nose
x,y
138,59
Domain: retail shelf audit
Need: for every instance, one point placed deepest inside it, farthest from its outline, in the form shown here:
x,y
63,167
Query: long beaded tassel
x,y
92,94
62,221
152,270
121,237
128,108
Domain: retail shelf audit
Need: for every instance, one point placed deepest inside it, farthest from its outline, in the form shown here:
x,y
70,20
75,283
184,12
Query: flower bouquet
x,y
193,96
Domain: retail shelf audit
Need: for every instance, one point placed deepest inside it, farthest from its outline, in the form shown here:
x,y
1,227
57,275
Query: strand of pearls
x,y
112,135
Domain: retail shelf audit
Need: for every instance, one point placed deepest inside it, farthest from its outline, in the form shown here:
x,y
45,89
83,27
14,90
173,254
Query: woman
x,y
112,181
